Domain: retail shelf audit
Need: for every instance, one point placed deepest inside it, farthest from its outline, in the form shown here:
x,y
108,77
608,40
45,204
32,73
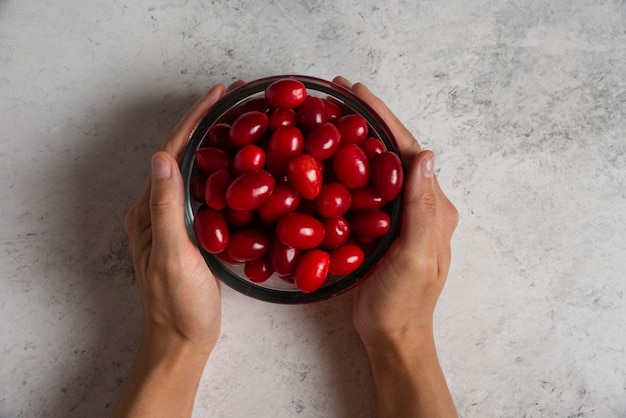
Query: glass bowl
x,y
278,289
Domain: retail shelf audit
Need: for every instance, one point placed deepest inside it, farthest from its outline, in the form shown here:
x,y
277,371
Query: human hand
x,y
180,295
396,303
393,309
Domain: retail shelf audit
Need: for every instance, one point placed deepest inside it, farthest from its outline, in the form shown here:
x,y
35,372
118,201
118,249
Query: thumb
x,y
166,204
419,218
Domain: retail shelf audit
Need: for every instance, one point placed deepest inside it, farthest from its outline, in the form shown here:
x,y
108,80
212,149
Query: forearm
x,y
409,381
163,380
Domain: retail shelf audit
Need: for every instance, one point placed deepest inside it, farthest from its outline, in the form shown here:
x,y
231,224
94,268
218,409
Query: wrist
x,y
172,359
164,378
408,351
416,339
158,347
408,379
169,338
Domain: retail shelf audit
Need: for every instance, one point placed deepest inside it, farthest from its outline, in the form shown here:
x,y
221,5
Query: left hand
x,y
180,296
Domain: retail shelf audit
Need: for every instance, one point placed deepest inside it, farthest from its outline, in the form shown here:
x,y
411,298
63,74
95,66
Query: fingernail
x,y
428,166
161,169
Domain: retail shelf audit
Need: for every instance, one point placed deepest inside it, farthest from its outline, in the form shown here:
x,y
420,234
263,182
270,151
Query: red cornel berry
x,y
211,230
250,190
345,259
351,166
287,93
294,188
248,128
312,270
305,176
300,231
387,175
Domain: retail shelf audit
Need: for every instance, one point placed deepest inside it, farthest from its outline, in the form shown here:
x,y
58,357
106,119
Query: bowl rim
x,y
220,270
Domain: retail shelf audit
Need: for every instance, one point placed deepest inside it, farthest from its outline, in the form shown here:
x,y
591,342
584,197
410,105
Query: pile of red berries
x,y
291,185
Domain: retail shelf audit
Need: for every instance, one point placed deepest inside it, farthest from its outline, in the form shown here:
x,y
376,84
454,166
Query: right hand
x,y
395,305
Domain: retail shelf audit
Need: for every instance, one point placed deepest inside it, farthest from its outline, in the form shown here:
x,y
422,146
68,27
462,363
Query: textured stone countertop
x,y
523,102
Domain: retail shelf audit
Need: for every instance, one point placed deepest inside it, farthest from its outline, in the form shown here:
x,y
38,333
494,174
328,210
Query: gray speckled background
x,y
524,103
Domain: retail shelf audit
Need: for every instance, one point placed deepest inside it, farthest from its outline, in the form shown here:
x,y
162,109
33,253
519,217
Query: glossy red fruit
x,y
247,245
370,224
305,176
366,198
196,187
283,200
345,259
300,231
285,143
353,128
239,218
286,93
215,189
259,270
219,136
333,110
311,114
336,232
211,230
322,142
312,270
248,128
284,258
250,190
211,159
351,166
372,147
281,118
333,200
248,159
387,175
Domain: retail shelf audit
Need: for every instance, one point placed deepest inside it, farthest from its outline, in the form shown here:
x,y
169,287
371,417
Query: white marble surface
x,y
524,102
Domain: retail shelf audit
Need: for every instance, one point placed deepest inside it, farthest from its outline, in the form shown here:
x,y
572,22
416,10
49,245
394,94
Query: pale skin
x,y
393,308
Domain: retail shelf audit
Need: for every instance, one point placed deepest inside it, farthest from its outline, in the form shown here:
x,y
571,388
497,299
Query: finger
x,y
406,141
419,218
175,143
139,215
342,81
167,206
235,85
